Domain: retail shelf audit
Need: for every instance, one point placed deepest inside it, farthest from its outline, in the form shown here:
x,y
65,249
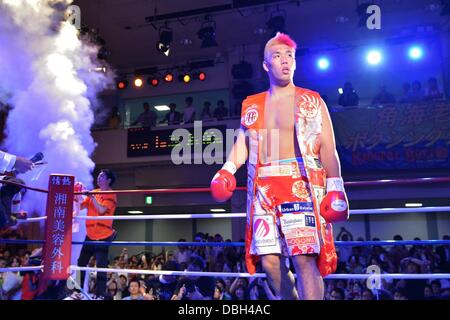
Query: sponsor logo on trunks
x,y
251,115
301,241
294,207
261,228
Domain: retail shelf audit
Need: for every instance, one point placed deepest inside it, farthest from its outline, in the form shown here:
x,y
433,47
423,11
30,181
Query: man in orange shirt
x,y
99,230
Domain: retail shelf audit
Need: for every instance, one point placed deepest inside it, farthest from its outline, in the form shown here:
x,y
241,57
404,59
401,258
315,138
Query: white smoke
x,y
45,78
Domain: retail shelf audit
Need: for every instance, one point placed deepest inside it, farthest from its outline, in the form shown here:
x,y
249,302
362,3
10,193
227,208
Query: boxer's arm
x,y
239,152
328,153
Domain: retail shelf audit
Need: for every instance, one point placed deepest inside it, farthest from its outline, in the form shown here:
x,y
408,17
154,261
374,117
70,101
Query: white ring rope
x,y
17,269
262,275
238,215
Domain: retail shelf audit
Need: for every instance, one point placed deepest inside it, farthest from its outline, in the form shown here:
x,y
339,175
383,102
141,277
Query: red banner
x,y
58,227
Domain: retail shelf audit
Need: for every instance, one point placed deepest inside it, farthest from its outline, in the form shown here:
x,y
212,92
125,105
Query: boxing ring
x,y
371,274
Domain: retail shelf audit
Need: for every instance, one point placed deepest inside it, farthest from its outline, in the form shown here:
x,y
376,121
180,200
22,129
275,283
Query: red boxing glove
x,y
334,206
223,184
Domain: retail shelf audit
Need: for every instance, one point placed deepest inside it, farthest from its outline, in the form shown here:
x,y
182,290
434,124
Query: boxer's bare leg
x,y
309,281
280,278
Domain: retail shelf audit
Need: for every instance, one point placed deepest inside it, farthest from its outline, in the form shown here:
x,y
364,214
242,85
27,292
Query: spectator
x,y
337,294
433,92
164,286
113,292
443,252
416,93
220,292
189,111
206,112
220,112
173,116
436,288
123,286
147,118
183,254
344,251
114,120
195,287
383,97
348,98
241,293
406,95
399,294
134,288
367,295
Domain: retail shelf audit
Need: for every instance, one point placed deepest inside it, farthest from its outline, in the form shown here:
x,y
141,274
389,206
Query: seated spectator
x,y
173,116
433,92
416,93
134,288
206,112
383,97
189,111
112,291
147,118
114,119
406,95
220,112
348,98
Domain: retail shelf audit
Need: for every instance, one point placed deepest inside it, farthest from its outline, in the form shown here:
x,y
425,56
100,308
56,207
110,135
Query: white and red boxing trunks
x,y
284,221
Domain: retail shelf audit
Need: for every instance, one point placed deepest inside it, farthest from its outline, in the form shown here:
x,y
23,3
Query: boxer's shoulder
x,y
307,92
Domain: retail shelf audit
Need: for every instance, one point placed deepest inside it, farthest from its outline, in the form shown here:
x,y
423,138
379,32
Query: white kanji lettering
x,y
66,181
60,198
56,181
59,212
57,239
58,226
56,266
57,253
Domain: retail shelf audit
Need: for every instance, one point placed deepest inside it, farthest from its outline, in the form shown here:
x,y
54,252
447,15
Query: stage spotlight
x,y
415,52
184,77
138,82
199,76
323,63
165,40
374,57
122,84
277,22
168,77
207,34
153,81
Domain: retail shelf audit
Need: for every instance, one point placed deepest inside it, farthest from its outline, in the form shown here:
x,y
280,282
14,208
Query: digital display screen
x,y
145,142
